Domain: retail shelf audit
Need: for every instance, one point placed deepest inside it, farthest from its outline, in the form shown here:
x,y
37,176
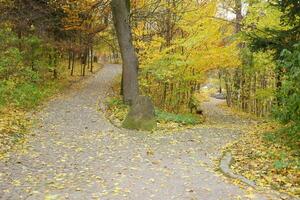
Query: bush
x,y
27,95
25,65
288,109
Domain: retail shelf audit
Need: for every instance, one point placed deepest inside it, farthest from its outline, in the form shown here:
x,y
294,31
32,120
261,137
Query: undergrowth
x,y
269,155
15,101
117,111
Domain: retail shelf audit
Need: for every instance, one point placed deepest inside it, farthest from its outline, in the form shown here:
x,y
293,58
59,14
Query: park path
x,y
75,153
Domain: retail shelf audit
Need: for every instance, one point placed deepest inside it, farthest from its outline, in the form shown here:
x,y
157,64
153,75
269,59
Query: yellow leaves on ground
x,y
51,197
13,125
268,162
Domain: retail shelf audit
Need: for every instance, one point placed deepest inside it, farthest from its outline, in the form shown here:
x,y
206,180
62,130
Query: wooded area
x,y
46,40
177,44
248,50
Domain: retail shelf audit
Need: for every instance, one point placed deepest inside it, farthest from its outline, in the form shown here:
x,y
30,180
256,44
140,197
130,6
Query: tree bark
x,y
220,82
129,57
92,58
239,15
70,57
73,63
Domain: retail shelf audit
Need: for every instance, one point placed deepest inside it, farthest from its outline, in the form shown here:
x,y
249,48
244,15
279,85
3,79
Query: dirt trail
x,y
75,153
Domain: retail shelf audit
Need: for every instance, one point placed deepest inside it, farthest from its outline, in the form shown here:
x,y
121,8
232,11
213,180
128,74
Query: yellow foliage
x,y
177,49
201,40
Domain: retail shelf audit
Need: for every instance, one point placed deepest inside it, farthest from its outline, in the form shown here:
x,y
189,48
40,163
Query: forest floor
x,y
73,152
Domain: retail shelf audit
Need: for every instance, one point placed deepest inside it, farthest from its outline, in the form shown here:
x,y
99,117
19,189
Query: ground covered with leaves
x,y
261,156
73,152
13,125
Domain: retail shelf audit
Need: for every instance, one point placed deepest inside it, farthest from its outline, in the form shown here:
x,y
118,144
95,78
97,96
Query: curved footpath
x,y
75,153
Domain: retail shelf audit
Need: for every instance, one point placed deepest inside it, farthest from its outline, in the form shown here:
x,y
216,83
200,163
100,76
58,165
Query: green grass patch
x,y
184,119
27,95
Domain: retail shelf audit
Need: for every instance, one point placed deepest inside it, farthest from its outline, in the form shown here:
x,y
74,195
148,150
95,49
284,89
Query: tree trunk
x,y
92,58
220,82
73,63
70,59
239,16
129,57
228,80
88,57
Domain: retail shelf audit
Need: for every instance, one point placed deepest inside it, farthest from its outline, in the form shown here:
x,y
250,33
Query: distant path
x,y
75,153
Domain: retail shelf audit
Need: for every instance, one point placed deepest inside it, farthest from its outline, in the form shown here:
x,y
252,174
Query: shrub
x,y
288,109
27,95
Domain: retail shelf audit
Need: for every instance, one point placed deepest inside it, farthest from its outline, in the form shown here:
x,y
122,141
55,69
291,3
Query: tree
x,y
129,57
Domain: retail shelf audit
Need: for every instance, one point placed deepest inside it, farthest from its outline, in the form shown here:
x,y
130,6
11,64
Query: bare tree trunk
x,y
73,63
92,58
228,81
129,57
70,59
85,62
220,82
239,15
88,57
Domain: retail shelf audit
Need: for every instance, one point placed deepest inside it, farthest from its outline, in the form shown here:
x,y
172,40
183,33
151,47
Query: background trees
x,y
42,43
265,82
284,42
178,42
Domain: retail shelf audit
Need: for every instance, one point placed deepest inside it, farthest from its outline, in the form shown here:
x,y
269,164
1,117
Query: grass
x,y
184,119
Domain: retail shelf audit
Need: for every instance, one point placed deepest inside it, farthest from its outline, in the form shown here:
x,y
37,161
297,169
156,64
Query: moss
x,y
139,124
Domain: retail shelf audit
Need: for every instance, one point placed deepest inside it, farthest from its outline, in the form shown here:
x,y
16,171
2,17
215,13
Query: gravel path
x,y
75,153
